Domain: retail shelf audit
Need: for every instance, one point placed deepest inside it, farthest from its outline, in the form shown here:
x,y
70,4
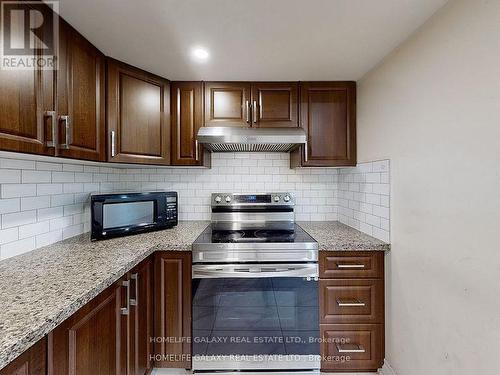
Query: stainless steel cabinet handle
x,y
248,111
350,265
125,310
350,348
113,143
254,111
135,277
197,156
306,152
53,124
67,131
350,303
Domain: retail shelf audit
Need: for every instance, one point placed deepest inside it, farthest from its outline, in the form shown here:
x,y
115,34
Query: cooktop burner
x,y
252,236
211,236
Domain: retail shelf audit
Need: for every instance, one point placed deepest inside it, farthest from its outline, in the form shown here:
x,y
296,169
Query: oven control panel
x,y
232,199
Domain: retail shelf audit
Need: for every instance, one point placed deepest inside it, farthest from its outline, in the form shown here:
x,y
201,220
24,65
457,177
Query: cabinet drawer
x,y
351,301
351,264
351,347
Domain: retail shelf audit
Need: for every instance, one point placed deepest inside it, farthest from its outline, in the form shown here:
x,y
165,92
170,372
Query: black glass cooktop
x,y
297,235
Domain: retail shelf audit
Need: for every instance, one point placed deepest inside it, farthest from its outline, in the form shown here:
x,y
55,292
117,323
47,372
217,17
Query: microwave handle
x,y
202,271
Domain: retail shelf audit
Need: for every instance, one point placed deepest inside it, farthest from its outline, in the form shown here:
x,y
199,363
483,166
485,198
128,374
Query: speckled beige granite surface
x,y
333,235
40,289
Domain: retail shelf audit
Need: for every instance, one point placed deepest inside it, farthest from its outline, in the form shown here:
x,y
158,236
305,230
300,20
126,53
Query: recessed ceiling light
x,y
200,54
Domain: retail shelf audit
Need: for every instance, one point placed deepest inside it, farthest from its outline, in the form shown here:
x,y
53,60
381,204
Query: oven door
x,y
255,316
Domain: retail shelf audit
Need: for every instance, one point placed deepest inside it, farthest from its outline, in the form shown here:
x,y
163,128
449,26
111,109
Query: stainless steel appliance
x,y
120,214
255,296
234,139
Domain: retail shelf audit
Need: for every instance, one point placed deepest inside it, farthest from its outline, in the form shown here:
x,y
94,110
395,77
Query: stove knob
x,y
228,199
276,198
218,199
286,198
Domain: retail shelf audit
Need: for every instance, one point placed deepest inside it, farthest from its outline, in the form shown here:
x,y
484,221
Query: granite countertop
x,y
40,289
333,235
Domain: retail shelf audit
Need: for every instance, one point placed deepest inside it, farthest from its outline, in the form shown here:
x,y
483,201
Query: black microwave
x,y
121,214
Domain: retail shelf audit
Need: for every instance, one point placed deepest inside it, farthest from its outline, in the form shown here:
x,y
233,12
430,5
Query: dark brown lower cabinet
x,y
351,305
173,309
110,334
31,362
93,340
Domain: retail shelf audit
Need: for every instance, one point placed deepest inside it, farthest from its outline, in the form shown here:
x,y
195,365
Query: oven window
x,y
118,215
255,316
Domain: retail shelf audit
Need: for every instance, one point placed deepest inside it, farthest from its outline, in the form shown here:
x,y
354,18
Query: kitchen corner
x,y
42,288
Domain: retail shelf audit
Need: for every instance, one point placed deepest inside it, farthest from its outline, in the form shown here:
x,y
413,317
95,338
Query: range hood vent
x,y
236,139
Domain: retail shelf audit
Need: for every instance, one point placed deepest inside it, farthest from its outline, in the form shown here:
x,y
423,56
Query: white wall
x,y
433,108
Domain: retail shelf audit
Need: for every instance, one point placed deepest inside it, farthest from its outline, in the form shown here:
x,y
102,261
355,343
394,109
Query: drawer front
x,y
351,264
351,347
351,301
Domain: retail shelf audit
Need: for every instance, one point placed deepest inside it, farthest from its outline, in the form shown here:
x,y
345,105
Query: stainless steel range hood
x,y
237,139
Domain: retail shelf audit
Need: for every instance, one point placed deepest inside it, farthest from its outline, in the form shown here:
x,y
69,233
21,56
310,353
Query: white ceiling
x,y
250,39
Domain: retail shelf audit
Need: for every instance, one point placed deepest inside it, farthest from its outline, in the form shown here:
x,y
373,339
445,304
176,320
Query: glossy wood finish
x,y
138,111
274,104
351,264
351,308
24,97
226,104
93,340
351,301
328,115
336,337
32,362
81,96
187,119
140,323
173,308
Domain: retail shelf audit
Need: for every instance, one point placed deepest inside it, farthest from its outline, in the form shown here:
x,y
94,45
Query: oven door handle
x,y
209,271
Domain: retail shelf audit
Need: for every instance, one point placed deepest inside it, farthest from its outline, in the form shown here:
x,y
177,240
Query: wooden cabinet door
x,y
187,118
93,340
138,113
80,97
227,104
274,104
25,96
32,362
173,309
140,329
328,115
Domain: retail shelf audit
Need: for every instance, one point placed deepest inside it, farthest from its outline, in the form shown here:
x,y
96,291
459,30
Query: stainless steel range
x,y
255,296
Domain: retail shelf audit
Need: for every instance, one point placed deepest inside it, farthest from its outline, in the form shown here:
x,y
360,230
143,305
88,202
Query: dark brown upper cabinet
x,y
274,104
27,113
80,97
138,115
328,115
227,104
187,117
57,113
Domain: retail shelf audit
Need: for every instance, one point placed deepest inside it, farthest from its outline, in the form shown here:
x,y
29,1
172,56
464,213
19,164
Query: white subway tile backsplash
x,y
17,219
18,190
10,205
31,203
365,206
9,235
10,176
17,247
50,200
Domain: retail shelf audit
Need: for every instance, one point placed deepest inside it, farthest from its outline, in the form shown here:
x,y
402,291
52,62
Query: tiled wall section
x,y
43,202
364,198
